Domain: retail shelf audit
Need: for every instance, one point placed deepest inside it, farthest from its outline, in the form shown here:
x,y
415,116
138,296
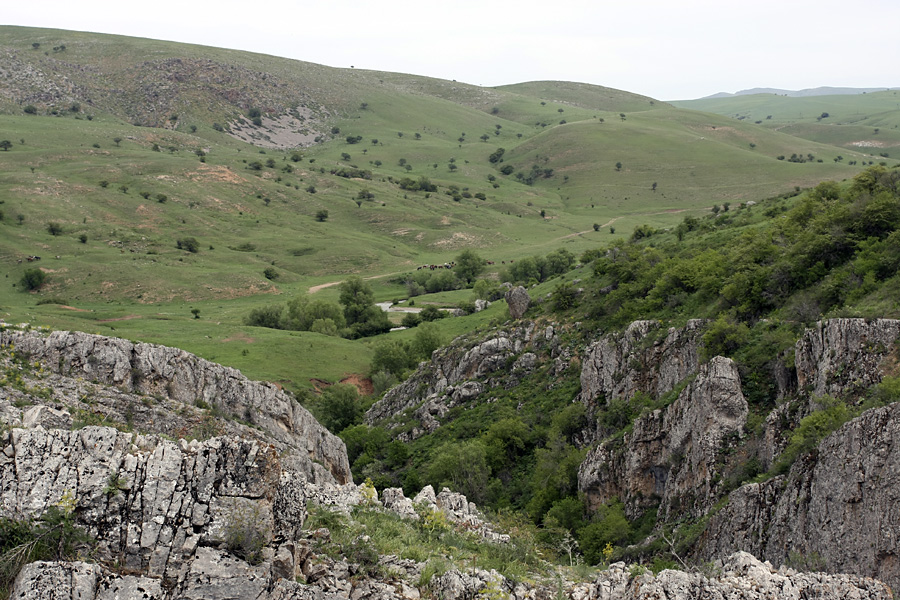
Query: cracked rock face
x,y
518,301
843,356
839,505
161,371
460,372
148,502
641,359
670,455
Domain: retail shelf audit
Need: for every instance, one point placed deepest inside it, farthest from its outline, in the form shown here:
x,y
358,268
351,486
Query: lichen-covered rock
x,y
844,356
461,372
741,577
146,502
518,301
671,454
641,359
839,506
154,370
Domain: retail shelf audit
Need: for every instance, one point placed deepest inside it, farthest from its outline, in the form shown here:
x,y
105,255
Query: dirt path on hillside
x,y
322,286
128,318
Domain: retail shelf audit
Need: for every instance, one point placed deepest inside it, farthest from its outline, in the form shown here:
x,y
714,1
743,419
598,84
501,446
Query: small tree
x,y
33,279
195,312
189,244
596,226
117,140
322,216
54,228
618,166
5,145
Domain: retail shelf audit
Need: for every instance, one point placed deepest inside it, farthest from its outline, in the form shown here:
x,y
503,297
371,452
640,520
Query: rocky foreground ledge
x,y
217,577
161,511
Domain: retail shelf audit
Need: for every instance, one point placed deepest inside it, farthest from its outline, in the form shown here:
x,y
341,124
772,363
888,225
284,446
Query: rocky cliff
x,y
643,358
835,508
161,373
225,515
838,507
669,458
462,371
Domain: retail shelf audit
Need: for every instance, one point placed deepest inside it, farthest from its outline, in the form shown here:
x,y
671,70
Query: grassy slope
x,y
851,124
130,266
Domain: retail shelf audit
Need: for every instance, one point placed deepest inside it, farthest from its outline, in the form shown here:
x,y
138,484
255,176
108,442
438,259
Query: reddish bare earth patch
x,y
362,384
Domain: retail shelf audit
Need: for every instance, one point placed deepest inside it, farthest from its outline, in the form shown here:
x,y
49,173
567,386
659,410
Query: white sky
x,y
667,49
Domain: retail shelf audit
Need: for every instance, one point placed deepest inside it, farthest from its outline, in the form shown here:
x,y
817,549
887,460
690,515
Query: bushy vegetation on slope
x,y
758,273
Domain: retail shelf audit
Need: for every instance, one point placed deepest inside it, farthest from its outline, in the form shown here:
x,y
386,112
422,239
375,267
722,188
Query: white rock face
x,y
172,373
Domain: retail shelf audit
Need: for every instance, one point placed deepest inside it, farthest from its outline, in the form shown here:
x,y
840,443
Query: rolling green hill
x,y
863,122
120,147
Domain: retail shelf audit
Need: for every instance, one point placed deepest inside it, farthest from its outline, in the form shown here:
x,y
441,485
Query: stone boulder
x,y
518,301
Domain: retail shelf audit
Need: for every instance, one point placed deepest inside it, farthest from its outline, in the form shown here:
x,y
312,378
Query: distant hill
x,y
819,91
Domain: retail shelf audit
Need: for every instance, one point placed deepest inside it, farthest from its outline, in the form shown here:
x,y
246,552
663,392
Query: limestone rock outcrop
x,y
159,371
844,356
518,301
219,577
460,372
839,505
643,358
671,454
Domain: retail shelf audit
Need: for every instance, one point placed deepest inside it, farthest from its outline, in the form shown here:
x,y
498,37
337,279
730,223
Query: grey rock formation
x,y
642,358
518,301
741,577
149,503
460,373
838,505
160,371
672,453
844,356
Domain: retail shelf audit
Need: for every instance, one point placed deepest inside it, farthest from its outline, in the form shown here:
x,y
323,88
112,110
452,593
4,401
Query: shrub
x,y
247,531
54,228
33,279
53,536
265,316
189,244
339,407
432,313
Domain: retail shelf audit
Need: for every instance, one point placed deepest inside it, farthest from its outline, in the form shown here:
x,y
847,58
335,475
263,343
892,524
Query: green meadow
x,y
106,174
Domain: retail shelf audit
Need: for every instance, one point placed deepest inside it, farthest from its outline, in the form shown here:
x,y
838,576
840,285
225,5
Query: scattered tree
x,y
322,216
54,228
33,279
5,145
189,244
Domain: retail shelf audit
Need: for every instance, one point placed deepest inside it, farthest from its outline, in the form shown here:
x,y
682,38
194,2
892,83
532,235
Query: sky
x,y
666,49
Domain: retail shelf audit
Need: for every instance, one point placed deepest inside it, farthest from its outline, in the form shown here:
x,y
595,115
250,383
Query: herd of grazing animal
x,y
452,264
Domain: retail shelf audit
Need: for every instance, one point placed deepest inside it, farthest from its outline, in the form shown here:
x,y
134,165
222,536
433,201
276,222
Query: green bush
x,y
52,536
247,531
189,244
33,279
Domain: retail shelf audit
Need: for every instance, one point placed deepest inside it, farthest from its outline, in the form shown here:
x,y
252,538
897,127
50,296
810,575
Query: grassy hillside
x,y
862,122
120,147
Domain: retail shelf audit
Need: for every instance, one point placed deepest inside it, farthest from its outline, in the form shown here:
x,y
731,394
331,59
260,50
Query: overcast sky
x,y
667,49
